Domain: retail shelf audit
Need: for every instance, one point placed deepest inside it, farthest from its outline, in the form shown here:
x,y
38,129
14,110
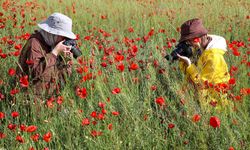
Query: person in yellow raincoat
x,y
208,69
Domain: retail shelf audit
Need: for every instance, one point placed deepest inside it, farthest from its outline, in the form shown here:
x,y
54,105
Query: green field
x,y
131,118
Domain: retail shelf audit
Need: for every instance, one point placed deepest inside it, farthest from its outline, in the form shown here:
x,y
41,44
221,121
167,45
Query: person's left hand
x,y
185,59
67,57
68,54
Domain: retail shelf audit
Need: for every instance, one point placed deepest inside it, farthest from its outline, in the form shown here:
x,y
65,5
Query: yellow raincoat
x,y
212,68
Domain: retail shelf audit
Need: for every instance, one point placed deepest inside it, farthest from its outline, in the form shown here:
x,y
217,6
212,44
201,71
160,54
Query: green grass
x,y
141,123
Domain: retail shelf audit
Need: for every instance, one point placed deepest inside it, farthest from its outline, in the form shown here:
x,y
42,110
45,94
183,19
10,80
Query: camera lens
x,y
76,52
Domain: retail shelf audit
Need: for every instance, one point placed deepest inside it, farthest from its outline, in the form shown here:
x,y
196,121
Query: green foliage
x,y
141,123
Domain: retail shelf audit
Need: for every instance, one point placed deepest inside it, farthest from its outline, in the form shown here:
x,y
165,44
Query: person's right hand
x,y
185,59
60,47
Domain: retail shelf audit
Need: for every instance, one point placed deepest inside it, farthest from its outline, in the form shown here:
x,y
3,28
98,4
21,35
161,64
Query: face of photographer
x,y
199,42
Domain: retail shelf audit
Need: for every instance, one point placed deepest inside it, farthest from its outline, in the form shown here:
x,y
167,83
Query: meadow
x,y
123,93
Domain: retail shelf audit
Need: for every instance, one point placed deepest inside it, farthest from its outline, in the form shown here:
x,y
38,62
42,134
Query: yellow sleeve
x,y
213,69
182,66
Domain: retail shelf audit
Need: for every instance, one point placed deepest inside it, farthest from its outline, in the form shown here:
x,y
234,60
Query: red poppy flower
x,y
169,45
196,118
116,91
95,133
120,67
104,111
47,137
245,91
115,113
26,36
87,38
171,125
160,101
161,30
104,64
2,55
213,103
50,104
12,126
106,34
85,122
19,139
236,53
173,40
31,148
29,62
230,148
232,81
2,115
134,49
1,95
237,97
16,53
108,99
18,47
101,104
35,137
10,42
119,58
14,114
103,17
59,100
93,114
13,92
2,135
101,116
82,93
110,126
31,128
145,39
22,127
12,72
130,29
151,32
94,122
24,81
214,122
156,63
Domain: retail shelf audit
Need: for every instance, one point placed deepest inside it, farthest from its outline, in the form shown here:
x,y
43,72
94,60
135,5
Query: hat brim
x,y
184,38
191,36
45,27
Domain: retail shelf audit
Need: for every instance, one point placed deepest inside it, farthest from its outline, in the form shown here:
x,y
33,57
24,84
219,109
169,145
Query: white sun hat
x,y
58,24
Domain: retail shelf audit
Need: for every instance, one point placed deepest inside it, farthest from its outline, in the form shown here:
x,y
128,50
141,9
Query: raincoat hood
x,y
217,42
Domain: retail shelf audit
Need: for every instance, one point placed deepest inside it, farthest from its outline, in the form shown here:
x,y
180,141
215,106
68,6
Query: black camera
x,y
182,49
74,48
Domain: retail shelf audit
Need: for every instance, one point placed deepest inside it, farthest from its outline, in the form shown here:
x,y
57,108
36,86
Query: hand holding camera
x,y
60,47
69,47
74,48
185,59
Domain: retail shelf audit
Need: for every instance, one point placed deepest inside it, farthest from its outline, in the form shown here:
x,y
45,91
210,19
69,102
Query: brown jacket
x,y
46,71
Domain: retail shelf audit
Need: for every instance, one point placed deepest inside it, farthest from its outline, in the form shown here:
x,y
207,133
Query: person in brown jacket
x,y
40,58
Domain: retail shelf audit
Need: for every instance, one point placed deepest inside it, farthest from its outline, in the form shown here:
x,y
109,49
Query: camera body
x,y
182,49
74,49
